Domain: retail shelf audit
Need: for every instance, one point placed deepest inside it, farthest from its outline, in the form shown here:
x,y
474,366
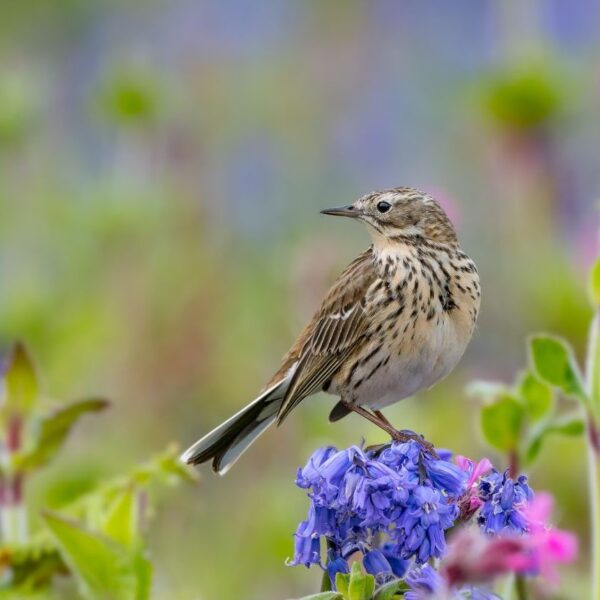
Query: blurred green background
x,y
162,165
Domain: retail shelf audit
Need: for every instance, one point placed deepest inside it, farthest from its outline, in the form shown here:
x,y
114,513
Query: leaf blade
x,y
21,382
53,431
554,363
537,396
101,567
502,423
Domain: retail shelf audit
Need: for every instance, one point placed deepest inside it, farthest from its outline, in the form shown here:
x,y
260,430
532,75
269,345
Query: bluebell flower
x,y
310,473
478,593
397,492
307,550
446,476
336,565
398,565
425,583
378,565
423,523
504,503
321,521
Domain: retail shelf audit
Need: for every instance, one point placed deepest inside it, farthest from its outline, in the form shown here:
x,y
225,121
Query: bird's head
x,y
400,214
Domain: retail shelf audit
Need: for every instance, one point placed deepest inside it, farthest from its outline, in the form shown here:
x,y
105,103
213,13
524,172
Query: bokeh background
x,y
162,165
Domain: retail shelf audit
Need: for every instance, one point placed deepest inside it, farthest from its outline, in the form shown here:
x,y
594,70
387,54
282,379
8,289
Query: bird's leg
x,y
377,418
381,416
409,435
385,425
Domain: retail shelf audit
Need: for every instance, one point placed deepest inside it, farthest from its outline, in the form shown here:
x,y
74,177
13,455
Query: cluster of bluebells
x,y
505,503
359,495
394,504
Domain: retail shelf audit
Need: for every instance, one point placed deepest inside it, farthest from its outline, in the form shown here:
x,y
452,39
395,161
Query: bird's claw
x,y
407,436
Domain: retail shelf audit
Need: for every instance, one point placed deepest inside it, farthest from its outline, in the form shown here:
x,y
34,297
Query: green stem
x,y
521,587
14,524
325,583
13,516
508,586
594,476
593,391
593,368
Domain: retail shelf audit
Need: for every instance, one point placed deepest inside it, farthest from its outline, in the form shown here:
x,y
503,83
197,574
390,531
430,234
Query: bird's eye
x,y
383,206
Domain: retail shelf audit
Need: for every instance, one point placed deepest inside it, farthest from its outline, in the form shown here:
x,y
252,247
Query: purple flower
x,y
310,474
335,566
446,476
398,492
378,565
423,523
425,583
504,503
307,550
399,566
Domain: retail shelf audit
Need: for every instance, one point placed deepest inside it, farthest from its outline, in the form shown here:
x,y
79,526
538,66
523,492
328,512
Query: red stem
x,y
513,464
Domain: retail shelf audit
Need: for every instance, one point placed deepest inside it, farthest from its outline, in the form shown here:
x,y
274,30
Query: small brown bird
x,y
396,321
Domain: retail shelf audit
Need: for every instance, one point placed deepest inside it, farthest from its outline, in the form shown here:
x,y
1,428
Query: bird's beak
x,y
342,211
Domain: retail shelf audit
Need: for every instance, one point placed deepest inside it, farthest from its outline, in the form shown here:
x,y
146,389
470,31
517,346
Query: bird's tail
x,y
225,444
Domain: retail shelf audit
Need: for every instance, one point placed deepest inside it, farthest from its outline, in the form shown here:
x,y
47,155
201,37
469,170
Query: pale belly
x,y
413,365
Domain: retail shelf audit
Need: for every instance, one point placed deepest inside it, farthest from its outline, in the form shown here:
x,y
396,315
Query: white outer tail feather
x,y
224,460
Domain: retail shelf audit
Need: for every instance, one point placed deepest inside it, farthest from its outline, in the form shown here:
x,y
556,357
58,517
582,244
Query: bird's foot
x,y
408,436
379,419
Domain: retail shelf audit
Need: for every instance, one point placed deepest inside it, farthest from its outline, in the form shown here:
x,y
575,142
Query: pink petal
x,y
481,468
561,545
540,508
475,470
475,503
464,463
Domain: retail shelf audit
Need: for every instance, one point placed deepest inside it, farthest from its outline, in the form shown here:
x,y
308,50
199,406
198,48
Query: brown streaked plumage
x,y
397,320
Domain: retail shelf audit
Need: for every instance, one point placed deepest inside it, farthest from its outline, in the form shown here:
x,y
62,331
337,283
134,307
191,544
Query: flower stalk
x,y
594,476
13,515
593,412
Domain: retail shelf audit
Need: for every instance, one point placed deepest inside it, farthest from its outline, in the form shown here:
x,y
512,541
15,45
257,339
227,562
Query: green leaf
x,y
554,363
163,469
571,426
502,422
389,590
536,395
30,566
52,431
104,569
595,285
142,569
342,583
360,586
21,382
121,522
324,596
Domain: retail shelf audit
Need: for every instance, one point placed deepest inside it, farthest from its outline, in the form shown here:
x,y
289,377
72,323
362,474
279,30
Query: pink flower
x,y
471,502
475,470
477,558
547,546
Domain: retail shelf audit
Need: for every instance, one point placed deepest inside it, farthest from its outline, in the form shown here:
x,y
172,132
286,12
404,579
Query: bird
x,y
396,321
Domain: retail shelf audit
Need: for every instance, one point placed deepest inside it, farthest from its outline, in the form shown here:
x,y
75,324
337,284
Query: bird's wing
x,y
332,335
